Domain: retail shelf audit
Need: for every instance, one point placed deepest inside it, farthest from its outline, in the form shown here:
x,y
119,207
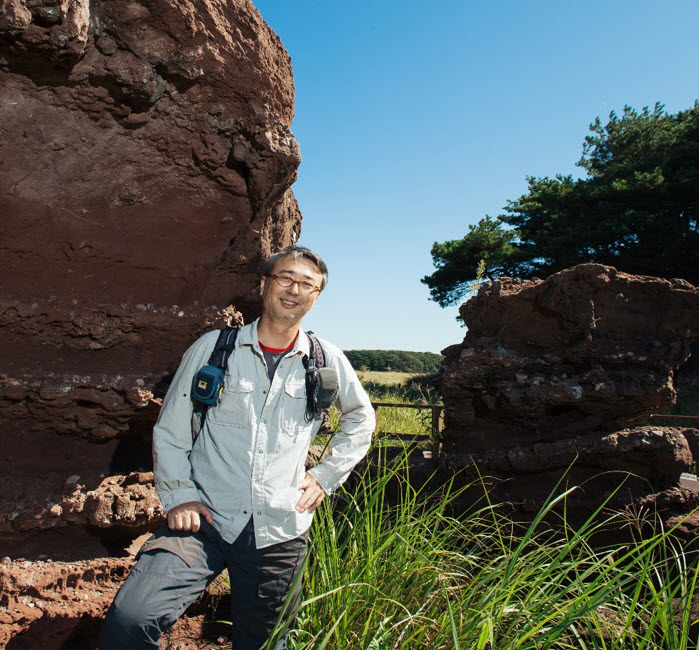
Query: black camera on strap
x,y
321,382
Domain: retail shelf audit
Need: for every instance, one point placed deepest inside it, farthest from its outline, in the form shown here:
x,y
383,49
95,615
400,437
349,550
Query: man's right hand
x,y
186,516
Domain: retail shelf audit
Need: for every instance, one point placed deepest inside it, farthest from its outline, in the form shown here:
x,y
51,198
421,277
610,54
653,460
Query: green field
x,y
396,388
387,378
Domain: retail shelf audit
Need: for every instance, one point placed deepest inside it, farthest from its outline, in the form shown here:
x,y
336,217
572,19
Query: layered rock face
x,y
146,160
555,376
145,167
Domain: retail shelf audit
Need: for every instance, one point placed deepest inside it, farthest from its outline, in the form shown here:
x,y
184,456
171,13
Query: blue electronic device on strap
x,y
208,382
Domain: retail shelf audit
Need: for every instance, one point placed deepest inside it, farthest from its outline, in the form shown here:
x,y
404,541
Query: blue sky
x,y
416,120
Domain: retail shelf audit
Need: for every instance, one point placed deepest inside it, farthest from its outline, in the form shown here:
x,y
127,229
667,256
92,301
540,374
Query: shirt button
x,y
259,513
265,421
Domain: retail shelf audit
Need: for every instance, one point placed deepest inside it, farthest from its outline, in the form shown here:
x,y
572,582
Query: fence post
x,y
437,431
436,422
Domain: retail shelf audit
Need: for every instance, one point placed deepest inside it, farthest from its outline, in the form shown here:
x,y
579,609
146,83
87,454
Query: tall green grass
x,y
390,567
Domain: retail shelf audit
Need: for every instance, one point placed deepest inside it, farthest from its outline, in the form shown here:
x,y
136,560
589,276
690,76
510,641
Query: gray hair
x,y
295,253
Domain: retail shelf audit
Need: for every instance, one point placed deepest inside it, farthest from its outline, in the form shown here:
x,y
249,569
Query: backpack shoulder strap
x,y
225,344
316,350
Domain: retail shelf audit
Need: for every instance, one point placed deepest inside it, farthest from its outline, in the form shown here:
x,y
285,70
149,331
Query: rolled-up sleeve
x,y
356,428
172,433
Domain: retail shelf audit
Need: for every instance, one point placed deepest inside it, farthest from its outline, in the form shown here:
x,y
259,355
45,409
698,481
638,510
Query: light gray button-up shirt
x,y
251,452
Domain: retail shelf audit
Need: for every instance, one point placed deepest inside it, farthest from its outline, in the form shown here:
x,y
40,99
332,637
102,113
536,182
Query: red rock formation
x,y
47,604
51,502
146,160
145,172
587,349
553,375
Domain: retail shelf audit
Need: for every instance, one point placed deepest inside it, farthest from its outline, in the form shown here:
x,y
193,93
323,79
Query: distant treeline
x,y
395,360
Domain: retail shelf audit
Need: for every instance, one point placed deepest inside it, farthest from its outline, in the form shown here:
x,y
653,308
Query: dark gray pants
x,y
175,567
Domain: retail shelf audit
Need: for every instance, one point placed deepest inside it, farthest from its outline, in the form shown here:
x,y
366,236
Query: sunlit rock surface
x,y
554,382
587,349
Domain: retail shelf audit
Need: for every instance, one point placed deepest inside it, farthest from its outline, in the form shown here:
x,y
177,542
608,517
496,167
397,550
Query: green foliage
x,y
395,360
389,567
487,250
637,210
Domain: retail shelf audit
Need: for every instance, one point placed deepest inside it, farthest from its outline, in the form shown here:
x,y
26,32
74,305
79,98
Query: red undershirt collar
x,y
277,350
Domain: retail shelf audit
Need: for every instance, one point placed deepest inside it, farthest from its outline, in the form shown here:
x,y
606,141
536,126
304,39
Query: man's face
x,y
290,304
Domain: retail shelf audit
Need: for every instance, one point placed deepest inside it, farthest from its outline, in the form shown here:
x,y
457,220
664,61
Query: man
x,y
239,497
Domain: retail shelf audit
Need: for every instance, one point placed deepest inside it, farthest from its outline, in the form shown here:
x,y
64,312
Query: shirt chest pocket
x,y
235,406
294,407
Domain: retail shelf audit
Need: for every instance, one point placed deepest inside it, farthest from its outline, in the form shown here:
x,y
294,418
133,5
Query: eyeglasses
x,y
286,282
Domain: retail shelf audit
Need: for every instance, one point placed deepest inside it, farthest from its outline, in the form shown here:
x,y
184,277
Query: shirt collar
x,y
248,336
